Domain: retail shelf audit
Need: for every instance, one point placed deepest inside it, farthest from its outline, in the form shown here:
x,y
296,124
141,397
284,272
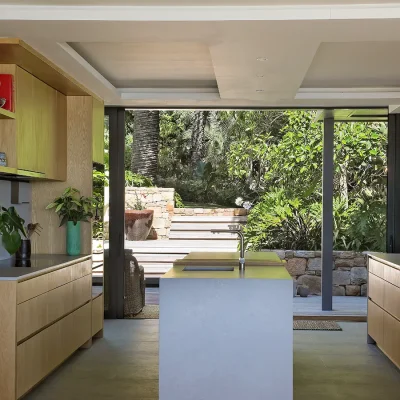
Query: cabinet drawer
x,y
39,355
391,338
391,300
82,290
60,277
42,310
97,314
375,322
392,275
32,287
81,269
376,289
376,268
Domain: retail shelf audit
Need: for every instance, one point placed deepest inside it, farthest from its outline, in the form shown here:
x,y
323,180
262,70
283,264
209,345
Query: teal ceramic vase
x,y
73,238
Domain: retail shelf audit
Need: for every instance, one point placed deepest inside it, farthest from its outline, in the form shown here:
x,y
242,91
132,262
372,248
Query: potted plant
x,y
138,220
72,208
16,237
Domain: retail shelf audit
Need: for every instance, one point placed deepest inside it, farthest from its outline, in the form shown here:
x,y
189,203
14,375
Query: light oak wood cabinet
x,y
98,131
44,319
35,141
384,307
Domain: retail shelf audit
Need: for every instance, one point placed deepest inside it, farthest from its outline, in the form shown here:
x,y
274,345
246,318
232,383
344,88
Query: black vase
x,y
24,251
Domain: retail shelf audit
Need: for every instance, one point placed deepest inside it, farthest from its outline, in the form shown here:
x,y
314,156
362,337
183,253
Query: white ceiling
x,y
200,57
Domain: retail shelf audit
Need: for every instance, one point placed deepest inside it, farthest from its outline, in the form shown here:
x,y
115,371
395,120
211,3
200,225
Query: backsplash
x,y
23,209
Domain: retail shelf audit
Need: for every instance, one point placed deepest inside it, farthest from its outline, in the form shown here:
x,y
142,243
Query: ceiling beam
x,y
198,13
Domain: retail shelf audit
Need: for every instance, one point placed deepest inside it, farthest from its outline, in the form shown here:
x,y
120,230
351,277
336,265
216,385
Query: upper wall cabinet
x,y
35,141
98,131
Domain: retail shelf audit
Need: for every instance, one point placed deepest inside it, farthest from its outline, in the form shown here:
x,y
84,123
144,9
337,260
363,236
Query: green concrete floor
x,y
124,365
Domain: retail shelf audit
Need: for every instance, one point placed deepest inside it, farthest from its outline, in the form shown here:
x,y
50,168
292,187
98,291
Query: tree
x,y
145,145
199,139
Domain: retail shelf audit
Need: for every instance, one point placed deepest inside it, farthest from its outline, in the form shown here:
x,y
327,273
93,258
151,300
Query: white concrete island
x,y
223,336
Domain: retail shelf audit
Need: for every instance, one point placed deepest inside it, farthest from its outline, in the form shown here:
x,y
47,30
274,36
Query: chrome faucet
x,y
238,230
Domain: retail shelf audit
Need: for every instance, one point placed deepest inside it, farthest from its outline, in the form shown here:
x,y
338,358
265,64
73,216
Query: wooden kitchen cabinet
x,y
98,131
35,141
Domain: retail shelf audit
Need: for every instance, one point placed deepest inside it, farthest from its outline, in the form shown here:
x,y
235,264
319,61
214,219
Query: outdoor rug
x,y
151,311
306,325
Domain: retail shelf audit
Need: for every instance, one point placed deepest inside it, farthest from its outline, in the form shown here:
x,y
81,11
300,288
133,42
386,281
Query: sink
x,y
194,268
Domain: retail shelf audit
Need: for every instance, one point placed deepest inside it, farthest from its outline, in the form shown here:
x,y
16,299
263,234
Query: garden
x,y
270,162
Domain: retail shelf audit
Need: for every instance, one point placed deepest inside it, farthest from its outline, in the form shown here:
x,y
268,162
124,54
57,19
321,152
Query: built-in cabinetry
x,y
384,304
35,139
45,316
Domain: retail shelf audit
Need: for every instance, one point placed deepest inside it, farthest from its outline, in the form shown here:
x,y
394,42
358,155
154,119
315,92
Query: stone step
x,y
198,226
201,235
158,245
208,219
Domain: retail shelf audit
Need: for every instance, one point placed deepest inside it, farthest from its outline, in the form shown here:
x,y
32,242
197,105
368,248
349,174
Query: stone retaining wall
x,y
220,212
349,271
161,200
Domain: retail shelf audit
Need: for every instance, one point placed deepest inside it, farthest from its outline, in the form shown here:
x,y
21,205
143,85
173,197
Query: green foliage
x,y
70,206
289,213
178,200
137,180
100,181
12,228
137,204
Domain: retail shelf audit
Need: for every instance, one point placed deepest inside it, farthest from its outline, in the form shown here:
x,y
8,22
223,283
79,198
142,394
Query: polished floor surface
x,y
124,365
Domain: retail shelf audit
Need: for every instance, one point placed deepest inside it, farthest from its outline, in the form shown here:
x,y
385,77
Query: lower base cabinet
x,y
38,356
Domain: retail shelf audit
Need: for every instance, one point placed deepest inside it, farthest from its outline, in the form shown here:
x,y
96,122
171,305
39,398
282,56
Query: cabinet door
x,y
98,131
28,108
375,322
391,340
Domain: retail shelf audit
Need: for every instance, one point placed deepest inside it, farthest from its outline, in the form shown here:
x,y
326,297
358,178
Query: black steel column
x,y
393,185
115,273
327,214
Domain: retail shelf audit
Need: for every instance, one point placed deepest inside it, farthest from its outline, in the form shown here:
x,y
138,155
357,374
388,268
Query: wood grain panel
x,y
79,175
8,345
391,339
391,302
376,289
376,268
375,322
98,131
39,355
97,314
32,287
31,316
392,275
82,290
81,269
60,277
60,302
8,127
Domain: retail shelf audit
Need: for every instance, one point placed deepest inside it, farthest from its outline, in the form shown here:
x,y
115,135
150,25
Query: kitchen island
x,y
226,336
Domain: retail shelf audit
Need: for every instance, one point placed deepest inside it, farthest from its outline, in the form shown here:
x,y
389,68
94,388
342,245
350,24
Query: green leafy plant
x,y
71,206
178,200
13,230
137,180
137,205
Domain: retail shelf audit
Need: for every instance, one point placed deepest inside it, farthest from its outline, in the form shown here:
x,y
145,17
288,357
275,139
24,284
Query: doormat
x,y
151,311
306,325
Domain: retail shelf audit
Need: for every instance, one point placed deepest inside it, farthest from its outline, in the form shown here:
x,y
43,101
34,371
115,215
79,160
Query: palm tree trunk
x,y
146,134
198,150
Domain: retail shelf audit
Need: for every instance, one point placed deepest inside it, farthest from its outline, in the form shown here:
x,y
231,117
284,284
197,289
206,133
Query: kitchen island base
x,y
226,338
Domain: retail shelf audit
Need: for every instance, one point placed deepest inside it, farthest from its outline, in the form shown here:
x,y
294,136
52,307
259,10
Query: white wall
x,y
24,210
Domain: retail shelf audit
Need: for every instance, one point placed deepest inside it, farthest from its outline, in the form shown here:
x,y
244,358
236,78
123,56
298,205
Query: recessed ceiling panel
x,y
355,65
151,65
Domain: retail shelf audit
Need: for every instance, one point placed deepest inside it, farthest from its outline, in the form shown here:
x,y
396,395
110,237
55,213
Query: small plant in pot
x,y
16,237
72,208
138,220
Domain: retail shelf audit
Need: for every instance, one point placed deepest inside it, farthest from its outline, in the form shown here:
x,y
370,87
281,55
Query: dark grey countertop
x,y
392,259
39,264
